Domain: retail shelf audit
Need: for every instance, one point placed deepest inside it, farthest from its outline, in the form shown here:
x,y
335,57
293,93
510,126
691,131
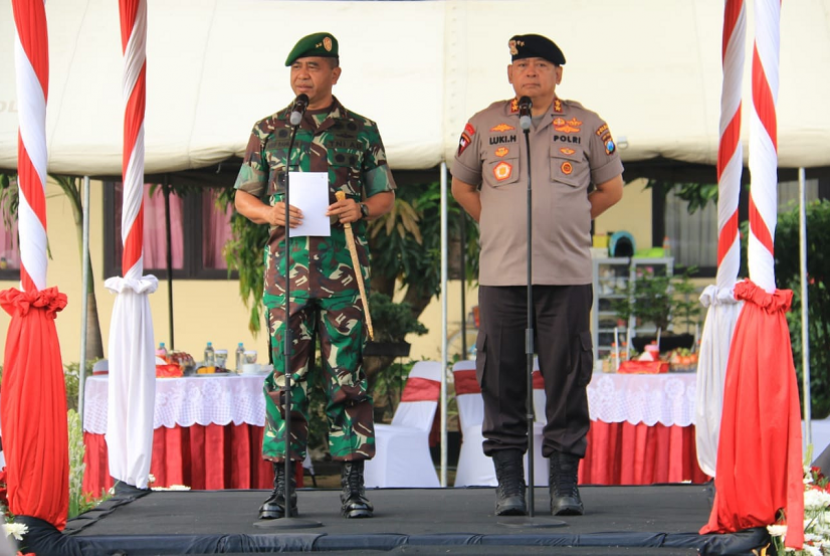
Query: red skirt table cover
x,y
207,434
642,430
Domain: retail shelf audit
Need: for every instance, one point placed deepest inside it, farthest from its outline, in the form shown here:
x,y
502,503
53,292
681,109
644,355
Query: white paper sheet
x,y
309,192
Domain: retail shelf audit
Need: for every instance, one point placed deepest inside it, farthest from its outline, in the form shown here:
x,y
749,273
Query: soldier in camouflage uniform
x,y
324,294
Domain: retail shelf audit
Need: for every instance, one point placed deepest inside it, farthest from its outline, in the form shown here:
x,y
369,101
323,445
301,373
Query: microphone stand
x,y
529,333
525,121
288,521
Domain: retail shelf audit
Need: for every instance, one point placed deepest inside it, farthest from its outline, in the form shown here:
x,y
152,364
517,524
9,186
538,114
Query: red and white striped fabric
x,y
730,150
723,308
134,45
761,402
763,144
35,439
31,54
131,341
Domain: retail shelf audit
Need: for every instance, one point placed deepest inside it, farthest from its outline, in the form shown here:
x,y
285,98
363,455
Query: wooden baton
x,y
356,264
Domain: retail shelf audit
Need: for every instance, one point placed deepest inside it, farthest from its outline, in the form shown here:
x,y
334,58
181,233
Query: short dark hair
x,y
334,62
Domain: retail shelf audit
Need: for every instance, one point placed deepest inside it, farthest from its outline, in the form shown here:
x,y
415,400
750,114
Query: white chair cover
x,y
402,457
540,463
474,468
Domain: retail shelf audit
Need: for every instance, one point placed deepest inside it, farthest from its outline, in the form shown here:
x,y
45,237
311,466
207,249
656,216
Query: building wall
x,y
212,310
204,310
632,213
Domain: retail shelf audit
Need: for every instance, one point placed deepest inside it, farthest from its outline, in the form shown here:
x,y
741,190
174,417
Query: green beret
x,y
535,46
316,44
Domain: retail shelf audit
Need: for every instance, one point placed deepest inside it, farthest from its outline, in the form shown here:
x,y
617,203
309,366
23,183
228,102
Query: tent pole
x,y
805,334
443,324
463,262
84,299
169,241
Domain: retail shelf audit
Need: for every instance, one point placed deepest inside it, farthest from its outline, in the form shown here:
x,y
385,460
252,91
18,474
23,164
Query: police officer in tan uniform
x,y
571,150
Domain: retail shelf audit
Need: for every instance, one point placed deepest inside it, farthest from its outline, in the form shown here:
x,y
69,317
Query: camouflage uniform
x,y
324,296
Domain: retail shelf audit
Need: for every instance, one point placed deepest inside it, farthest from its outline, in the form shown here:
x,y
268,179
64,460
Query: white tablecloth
x,y
667,398
201,400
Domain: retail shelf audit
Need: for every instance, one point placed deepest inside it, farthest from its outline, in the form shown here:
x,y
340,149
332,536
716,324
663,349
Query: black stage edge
x,y
660,519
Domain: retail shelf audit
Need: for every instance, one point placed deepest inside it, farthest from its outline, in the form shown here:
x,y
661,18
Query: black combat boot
x,y
510,494
564,494
353,498
274,507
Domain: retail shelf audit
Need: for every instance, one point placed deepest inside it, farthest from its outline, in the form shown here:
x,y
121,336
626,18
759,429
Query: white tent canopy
x,y
420,69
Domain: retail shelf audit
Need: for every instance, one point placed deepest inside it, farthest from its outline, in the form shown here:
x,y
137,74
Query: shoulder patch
x,y
466,138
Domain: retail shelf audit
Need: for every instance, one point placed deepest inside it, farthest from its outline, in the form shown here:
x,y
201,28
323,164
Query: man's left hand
x,y
347,211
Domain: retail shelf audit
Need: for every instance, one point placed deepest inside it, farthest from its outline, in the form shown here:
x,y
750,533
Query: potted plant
x,y
391,322
664,301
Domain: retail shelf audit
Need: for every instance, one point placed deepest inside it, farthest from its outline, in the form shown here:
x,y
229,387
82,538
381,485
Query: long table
x,y
207,433
642,430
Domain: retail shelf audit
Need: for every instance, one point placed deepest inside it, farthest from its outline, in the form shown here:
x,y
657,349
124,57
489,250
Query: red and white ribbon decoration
x,y
134,45
31,55
730,150
763,151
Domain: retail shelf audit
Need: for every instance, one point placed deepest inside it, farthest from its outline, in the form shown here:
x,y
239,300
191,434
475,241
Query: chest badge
x,y
566,150
571,126
502,127
502,171
501,151
567,168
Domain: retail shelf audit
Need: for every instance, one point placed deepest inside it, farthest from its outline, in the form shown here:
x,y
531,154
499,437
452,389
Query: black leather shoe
x,y
510,494
274,507
354,503
564,493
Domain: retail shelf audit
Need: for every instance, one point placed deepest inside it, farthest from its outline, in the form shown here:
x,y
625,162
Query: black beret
x,y
535,46
316,44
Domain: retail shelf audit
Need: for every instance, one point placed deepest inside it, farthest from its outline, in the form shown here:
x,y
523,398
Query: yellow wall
x,y
632,214
204,310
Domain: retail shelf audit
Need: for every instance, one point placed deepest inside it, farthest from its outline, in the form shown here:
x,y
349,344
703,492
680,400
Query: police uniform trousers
x,y
563,344
338,321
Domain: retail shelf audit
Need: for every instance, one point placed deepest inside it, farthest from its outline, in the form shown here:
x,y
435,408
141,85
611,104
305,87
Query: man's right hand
x,y
275,215
258,212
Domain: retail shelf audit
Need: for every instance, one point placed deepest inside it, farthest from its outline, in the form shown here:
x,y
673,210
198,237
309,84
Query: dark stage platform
x,y
619,520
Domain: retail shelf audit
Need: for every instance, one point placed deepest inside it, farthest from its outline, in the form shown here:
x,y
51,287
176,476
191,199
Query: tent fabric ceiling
x,y
651,68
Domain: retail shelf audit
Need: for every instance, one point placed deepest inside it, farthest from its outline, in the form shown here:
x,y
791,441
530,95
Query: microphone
x,y
297,111
525,105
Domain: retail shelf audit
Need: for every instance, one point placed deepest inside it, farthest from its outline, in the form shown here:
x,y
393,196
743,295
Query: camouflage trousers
x,y
338,322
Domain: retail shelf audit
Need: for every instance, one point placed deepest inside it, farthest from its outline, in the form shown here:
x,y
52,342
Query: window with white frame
x,y
199,230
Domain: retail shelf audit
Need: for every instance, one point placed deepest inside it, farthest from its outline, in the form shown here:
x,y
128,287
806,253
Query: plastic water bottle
x,y
666,247
210,356
161,351
240,357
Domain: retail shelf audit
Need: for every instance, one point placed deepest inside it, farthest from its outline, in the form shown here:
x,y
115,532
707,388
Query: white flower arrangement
x,y
18,530
816,518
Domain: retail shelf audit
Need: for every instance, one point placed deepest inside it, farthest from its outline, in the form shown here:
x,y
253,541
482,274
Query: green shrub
x,y
787,273
78,501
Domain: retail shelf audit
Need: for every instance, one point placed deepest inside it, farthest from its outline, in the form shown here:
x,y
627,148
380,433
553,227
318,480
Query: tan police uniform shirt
x,y
571,147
